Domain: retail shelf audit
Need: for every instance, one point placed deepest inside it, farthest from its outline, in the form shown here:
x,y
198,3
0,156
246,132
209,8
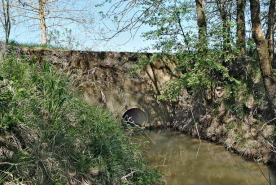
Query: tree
x,y
6,18
42,19
224,7
174,30
208,69
48,14
239,63
271,29
263,53
201,21
241,26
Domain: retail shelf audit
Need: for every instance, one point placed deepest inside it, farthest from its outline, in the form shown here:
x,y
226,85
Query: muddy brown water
x,y
188,161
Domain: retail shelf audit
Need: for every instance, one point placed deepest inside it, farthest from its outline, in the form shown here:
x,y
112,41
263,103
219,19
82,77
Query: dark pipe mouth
x,y
135,117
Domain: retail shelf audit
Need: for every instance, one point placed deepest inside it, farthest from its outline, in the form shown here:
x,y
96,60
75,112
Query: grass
x,y
35,45
55,137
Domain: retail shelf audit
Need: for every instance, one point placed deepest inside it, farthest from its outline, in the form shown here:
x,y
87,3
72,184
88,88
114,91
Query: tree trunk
x,y
42,22
238,65
221,4
8,22
202,35
241,25
7,19
270,30
262,48
201,22
223,16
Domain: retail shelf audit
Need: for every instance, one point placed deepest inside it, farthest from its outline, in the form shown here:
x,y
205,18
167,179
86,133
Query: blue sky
x,y
89,40
92,38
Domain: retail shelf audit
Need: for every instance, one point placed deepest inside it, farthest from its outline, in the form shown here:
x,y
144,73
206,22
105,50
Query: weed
x,y
61,137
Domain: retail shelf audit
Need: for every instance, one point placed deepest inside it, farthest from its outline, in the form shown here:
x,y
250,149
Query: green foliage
x,y
62,39
67,136
202,64
197,71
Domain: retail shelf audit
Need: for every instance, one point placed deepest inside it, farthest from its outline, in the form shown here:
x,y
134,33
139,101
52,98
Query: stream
x,y
184,160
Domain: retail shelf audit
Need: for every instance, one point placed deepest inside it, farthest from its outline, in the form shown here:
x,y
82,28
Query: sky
x,y
91,40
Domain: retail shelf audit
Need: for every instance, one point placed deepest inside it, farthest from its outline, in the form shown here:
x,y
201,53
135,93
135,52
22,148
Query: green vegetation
x,y
49,135
37,45
223,83
206,42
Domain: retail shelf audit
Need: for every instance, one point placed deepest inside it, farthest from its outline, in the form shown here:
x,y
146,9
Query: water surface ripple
x,y
188,161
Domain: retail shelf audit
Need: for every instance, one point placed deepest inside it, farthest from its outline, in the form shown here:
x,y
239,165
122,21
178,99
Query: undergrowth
x,y
49,135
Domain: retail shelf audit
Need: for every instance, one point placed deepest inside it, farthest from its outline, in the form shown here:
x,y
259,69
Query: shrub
x,y
49,135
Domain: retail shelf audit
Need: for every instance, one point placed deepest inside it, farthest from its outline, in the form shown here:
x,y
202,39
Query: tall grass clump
x,y
49,135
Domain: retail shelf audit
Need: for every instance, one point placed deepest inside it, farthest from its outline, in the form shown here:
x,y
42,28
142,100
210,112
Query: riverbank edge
x,y
246,137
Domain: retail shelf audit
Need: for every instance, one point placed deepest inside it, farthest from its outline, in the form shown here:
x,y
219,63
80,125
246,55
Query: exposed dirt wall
x,y
105,79
248,137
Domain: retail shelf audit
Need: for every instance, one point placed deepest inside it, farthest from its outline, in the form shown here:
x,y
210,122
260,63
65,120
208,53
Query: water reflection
x,y
187,161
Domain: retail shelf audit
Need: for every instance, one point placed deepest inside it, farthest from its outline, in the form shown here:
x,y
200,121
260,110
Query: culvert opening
x,y
135,116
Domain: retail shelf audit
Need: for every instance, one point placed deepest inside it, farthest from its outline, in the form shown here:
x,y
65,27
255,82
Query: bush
x,y
49,135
